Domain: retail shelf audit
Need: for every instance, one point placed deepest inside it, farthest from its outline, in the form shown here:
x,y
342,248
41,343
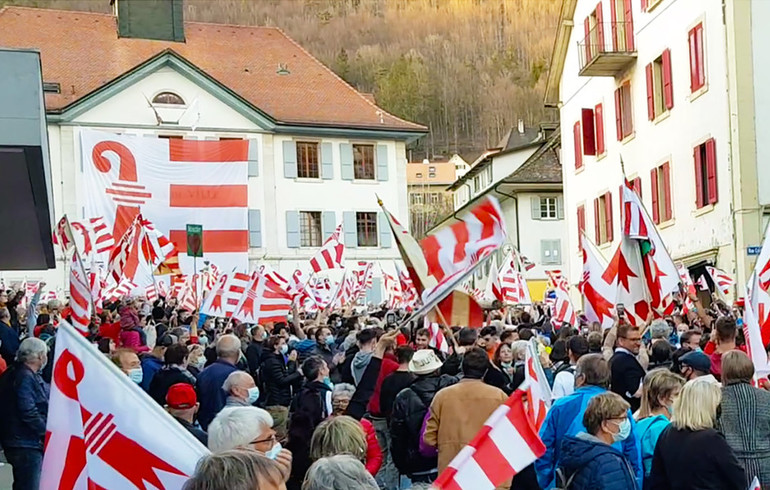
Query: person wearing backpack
x,y
564,375
589,462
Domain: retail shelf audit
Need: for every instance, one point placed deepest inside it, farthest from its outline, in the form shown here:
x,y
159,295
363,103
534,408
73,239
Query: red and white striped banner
x,y
437,339
264,300
80,295
514,286
151,293
598,293
721,279
537,388
225,297
329,256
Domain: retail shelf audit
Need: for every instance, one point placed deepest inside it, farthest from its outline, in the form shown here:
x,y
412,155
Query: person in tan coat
x,y
458,412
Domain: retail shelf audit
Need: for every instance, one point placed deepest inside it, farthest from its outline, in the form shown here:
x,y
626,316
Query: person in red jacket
x,y
341,396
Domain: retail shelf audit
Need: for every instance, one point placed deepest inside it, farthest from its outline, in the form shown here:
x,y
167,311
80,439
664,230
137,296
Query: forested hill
x,y
467,69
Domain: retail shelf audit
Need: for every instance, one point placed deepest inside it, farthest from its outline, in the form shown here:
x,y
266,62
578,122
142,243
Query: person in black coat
x,y
9,338
280,377
174,371
626,371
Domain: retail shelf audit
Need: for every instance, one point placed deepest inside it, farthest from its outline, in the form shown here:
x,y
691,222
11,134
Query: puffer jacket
x,y
280,378
406,422
589,464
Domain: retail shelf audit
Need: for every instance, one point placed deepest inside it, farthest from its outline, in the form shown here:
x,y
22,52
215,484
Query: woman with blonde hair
x,y
660,388
692,443
338,435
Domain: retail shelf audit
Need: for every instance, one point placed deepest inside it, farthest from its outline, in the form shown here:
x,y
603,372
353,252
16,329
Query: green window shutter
x,y
290,159
384,230
382,162
350,228
535,207
292,229
328,223
346,161
327,161
253,158
255,228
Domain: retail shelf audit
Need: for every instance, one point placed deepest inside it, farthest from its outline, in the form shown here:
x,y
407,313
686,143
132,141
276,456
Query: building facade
x,y
319,151
662,89
429,199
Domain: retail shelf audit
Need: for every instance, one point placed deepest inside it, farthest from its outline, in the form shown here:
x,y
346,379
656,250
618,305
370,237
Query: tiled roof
x,y
543,167
444,173
82,51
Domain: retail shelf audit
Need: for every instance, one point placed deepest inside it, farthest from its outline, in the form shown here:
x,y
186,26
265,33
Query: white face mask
x,y
200,363
253,395
136,375
273,453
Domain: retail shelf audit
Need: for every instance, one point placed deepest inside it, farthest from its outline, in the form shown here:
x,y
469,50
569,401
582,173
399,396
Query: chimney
x,y
521,126
162,20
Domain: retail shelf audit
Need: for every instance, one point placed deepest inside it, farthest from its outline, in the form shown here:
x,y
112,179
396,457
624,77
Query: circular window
x,y
168,98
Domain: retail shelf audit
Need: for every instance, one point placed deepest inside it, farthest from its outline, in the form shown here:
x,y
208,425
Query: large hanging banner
x,y
174,183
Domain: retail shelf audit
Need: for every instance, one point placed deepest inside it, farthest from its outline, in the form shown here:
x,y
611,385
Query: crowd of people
x,y
360,402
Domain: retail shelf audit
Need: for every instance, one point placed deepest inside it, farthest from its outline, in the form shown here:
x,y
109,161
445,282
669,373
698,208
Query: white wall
x,y
760,40
505,165
533,231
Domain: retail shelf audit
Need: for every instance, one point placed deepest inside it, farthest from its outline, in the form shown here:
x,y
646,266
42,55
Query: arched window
x,y
168,98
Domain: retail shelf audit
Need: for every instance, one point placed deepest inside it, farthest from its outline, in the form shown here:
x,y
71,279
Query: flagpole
x,y
445,327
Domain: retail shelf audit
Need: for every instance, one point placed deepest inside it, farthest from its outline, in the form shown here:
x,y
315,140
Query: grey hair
x,y
341,472
236,378
235,470
345,389
30,349
659,329
519,349
236,427
228,346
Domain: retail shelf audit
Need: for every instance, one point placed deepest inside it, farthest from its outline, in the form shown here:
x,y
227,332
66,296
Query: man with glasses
x,y
626,372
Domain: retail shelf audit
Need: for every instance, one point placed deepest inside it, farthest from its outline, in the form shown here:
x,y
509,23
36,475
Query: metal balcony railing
x,y
607,50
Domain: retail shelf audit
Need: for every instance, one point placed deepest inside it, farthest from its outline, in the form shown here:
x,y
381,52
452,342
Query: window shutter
x,y
597,225
581,222
629,27
556,251
669,211
254,158
711,169
559,207
620,201
255,228
614,25
383,227
599,28
535,207
545,248
698,178
655,194
608,203
599,129
374,294
699,55
644,5
618,115
346,161
328,223
693,60
587,39
589,137
668,88
650,92
350,228
637,186
578,146
327,161
292,229
290,159
382,162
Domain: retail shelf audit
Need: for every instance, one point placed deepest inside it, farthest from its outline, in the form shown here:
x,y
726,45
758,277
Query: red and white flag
x,y
329,256
703,285
684,276
505,445
264,300
437,339
225,297
755,484
563,310
392,290
119,291
151,293
162,289
97,416
80,295
626,273
721,279
756,322
537,388
598,294
493,289
190,296
140,251
515,287
89,236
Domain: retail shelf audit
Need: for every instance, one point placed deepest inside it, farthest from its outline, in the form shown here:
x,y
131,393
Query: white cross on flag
x,y
104,432
598,293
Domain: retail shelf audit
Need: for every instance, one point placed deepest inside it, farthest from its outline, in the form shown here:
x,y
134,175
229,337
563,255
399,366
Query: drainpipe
x,y
516,206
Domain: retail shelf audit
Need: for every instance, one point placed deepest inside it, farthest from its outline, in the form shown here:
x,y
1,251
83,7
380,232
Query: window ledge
x,y
601,156
628,138
308,180
580,169
652,4
704,210
695,95
605,246
365,181
667,224
662,117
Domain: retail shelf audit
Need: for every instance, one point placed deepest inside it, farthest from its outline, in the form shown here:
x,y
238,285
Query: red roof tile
x,y
82,51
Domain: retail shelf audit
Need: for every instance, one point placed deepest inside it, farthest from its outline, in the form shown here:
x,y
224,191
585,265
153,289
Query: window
x,y
307,160
476,184
705,158
660,181
648,5
168,98
366,228
418,175
599,129
435,198
550,252
624,121
310,229
363,162
578,145
417,199
431,169
589,133
594,33
660,93
622,24
581,224
697,58
548,208
603,218
431,175
171,136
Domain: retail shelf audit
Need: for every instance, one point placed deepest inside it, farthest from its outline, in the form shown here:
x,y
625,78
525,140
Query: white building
x,y
672,88
319,150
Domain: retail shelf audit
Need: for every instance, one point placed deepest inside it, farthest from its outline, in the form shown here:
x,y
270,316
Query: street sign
x,y
753,250
195,240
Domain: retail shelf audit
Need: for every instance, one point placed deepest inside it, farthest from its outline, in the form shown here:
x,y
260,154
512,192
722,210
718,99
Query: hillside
x,y
467,69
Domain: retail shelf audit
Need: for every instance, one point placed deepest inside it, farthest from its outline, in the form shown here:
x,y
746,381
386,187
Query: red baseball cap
x,y
181,396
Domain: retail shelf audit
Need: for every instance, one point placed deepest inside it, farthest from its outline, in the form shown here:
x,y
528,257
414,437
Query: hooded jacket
x,y
593,465
360,361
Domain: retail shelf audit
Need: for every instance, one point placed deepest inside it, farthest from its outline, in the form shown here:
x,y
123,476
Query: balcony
x,y
607,50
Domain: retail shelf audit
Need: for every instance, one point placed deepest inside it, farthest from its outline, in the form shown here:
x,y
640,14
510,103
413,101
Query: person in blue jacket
x,y
565,418
589,461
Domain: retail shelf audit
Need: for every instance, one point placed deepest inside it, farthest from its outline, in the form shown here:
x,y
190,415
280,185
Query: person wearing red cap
x,y
182,404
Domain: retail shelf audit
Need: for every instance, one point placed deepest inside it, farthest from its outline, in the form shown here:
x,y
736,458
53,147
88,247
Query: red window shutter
x,y
581,221
620,202
578,147
608,215
711,169
669,211
700,53
587,30
614,25
629,19
618,115
655,196
589,137
650,96
698,178
597,226
644,5
599,28
668,88
599,129
638,186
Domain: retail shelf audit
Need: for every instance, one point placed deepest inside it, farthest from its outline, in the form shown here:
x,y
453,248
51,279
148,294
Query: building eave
x,y
559,52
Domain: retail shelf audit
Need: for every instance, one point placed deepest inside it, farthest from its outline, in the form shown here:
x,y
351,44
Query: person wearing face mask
x,y
255,349
241,390
23,412
325,349
697,365
174,371
281,377
128,362
196,361
182,404
659,390
589,461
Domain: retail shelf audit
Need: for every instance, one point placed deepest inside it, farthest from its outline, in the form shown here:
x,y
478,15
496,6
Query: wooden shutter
x,y
578,148
328,223
589,136
599,28
535,207
597,225
638,186
620,202
350,228
695,41
650,92
655,196
618,115
599,129
628,17
698,178
290,159
383,227
608,215
587,40
701,64
327,161
292,229
581,223
614,25
560,207
346,161
644,5
382,163
668,88
668,209
711,170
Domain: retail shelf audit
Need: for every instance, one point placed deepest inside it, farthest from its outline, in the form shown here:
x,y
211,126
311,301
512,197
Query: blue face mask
x,y
273,453
284,349
329,340
253,395
328,382
136,375
624,430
